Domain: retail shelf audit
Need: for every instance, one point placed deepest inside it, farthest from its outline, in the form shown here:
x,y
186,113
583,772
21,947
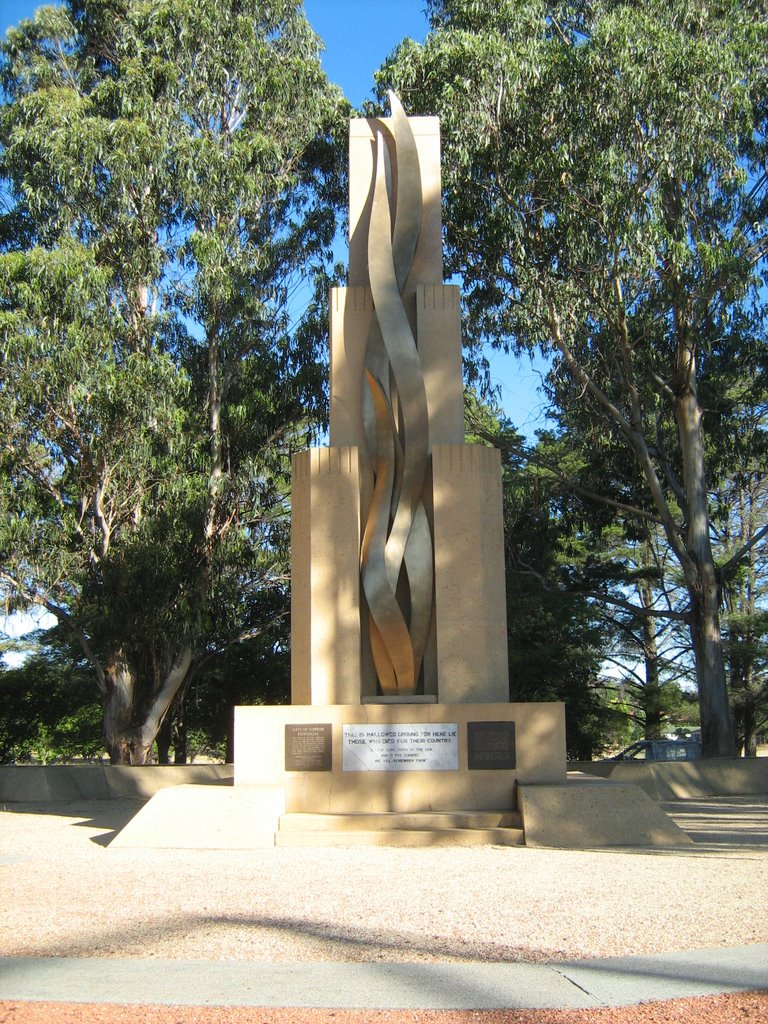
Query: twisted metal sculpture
x,y
396,559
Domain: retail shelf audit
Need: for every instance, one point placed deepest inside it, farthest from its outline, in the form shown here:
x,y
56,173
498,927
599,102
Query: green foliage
x,y
555,642
48,711
170,175
605,200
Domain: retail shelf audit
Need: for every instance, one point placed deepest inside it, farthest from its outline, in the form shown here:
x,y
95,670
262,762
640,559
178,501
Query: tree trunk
x,y
701,576
717,736
180,752
130,731
163,742
161,701
750,731
117,703
651,695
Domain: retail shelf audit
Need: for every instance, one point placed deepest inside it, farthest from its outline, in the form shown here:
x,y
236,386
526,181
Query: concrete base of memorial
x,y
376,774
342,759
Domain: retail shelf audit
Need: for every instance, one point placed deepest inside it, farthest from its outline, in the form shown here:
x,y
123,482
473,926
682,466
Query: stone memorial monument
x,y
400,729
399,682
398,560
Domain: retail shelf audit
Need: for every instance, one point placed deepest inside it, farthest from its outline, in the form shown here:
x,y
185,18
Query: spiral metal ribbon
x,y
396,560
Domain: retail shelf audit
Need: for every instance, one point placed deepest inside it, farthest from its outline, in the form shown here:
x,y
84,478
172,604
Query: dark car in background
x,y
660,750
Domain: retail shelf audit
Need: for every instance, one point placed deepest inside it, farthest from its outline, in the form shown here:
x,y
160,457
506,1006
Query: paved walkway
x,y
584,984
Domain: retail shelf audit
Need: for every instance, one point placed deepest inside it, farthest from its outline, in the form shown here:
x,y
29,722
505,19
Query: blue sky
x,y
358,36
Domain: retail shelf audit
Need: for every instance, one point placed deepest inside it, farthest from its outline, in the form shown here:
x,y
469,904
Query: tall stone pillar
x,y
397,545
470,593
325,572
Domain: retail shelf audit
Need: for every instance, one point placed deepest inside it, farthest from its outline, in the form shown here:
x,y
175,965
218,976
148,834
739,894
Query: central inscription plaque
x,y
418,747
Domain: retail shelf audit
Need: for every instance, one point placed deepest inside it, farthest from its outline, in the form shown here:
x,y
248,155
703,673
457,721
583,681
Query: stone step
x,y
399,820
402,837
398,828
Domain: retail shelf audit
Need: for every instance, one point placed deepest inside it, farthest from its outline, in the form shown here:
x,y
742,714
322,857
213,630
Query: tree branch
x,y
724,569
634,437
596,595
163,698
635,609
78,632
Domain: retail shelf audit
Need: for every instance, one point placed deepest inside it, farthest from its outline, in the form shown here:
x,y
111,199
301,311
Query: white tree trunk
x,y
128,732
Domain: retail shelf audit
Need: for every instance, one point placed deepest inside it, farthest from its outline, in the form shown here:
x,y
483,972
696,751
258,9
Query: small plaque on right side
x,y
490,746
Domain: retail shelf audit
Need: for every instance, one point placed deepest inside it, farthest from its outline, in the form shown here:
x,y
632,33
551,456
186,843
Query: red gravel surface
x,y
725,1009
60,878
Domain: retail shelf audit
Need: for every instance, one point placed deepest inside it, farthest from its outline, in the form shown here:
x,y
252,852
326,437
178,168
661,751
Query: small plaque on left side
x,y
308,748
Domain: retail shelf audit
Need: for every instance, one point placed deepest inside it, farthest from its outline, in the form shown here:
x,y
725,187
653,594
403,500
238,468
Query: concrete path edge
x,y
619,981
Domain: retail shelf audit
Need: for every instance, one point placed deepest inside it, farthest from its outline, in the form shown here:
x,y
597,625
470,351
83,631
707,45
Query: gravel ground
x,y
65,892
68,893
747,1008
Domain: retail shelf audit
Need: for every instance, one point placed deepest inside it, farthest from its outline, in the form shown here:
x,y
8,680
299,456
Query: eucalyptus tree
x,y
742,505
556,641
746,617
605,199
168,177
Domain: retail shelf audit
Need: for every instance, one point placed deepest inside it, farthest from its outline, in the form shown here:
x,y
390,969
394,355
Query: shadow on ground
x,y
730,823
111,815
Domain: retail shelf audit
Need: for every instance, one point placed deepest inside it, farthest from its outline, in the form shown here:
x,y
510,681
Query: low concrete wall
x,y
685,780
30,783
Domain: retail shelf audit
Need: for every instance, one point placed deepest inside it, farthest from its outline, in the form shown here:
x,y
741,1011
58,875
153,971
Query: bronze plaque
x,y
490,746
308,748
